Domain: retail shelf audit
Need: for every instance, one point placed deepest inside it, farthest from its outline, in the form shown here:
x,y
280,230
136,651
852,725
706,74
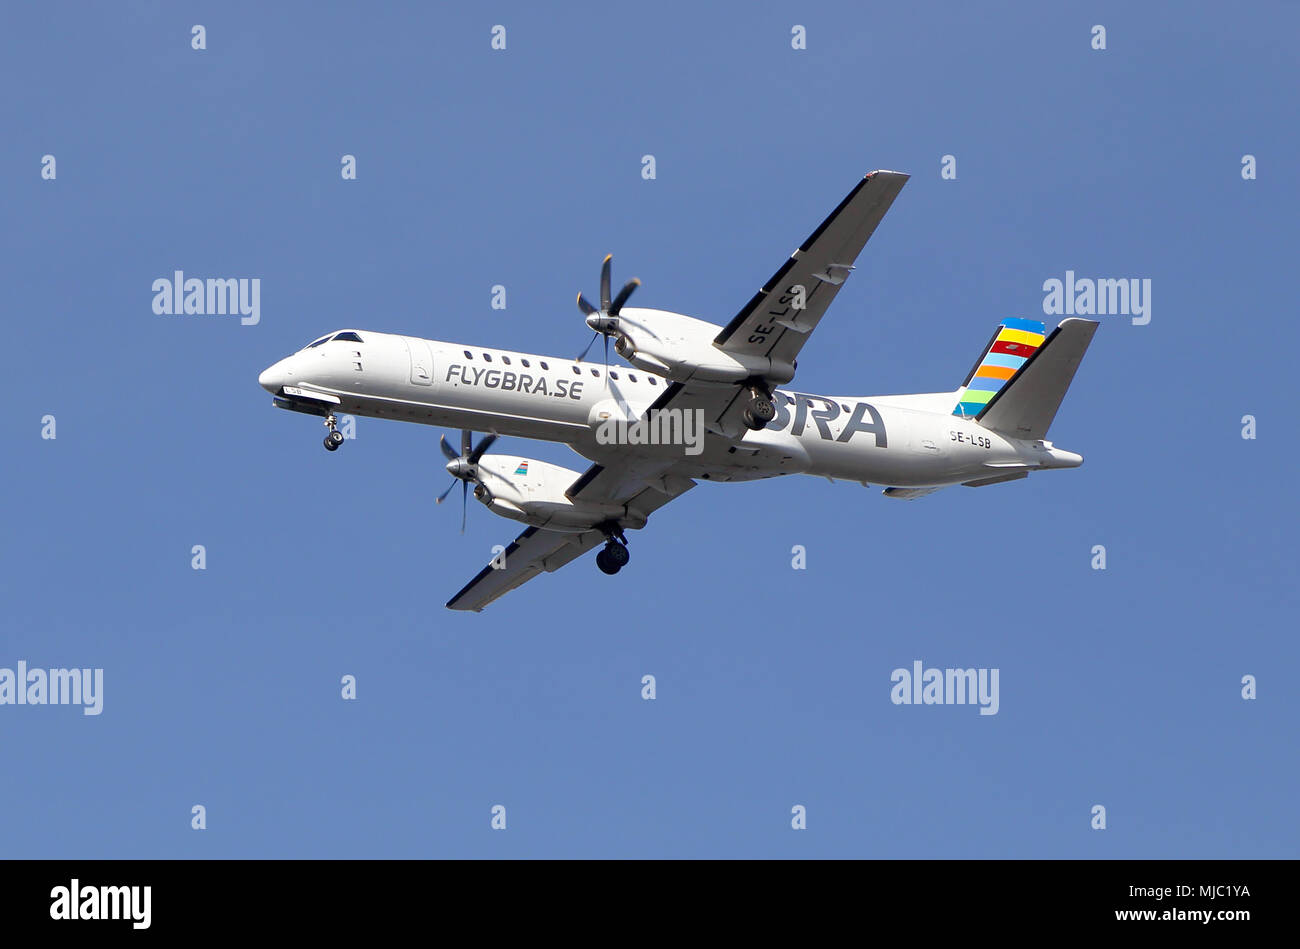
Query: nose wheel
x,y
335,438
614,556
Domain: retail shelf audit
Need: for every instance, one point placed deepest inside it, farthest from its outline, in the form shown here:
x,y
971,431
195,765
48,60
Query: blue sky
x,y
522,168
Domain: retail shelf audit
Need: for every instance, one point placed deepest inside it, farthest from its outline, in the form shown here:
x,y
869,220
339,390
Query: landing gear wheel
x,y
606,563
760,411
335,438
617,554
613,557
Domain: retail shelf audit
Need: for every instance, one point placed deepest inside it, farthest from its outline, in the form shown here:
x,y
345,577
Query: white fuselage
x,y
904,441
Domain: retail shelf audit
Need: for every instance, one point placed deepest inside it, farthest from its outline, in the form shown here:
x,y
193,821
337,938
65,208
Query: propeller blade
x,y
442,497
622,296
607,362
466,440
464,503
604,283
585,307
446,449
483,446
583,354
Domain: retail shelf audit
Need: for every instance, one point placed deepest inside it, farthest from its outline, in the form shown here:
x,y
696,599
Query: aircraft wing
x,y
641,486
722,405
770,323
533,551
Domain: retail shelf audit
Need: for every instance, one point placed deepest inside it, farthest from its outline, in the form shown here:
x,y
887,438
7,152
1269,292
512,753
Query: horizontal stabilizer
x,y
1027,404
907,494
996,479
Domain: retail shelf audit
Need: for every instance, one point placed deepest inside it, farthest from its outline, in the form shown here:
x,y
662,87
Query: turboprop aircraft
x,y
700,402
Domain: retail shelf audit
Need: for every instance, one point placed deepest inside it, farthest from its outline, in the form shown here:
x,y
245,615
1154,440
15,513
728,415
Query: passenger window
x,y
525,362
652,380
487,357
595,373
468,354
577,371
543,364
632,377
506,360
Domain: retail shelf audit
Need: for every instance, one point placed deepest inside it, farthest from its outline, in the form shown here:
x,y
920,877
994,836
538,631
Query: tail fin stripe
x,y
1013,343
1027,404
995,375
1001,359
1012,348
1020,336
1030,326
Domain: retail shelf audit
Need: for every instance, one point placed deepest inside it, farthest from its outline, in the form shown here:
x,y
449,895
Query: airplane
x,y
714,395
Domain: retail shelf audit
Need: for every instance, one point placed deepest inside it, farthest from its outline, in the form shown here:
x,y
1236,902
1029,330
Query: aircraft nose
x,y
273,377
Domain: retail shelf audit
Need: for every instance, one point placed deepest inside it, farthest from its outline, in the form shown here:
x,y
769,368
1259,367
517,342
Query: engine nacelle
x,y
532,491
680,348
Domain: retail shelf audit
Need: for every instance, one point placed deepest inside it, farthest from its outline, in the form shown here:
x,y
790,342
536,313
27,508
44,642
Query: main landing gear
x,y
335,438
614,556
760,410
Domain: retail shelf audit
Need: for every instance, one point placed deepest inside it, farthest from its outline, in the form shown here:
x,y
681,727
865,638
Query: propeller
x,y
463,467
604,321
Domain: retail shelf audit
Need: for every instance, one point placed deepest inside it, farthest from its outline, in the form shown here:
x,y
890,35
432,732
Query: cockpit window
x,y
347,337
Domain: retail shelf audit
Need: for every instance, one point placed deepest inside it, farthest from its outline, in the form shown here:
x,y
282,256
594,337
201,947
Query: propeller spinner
x,y
604,321
463,467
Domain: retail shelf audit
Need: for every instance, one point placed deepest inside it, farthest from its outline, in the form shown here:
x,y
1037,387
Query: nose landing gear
x,y
335,438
